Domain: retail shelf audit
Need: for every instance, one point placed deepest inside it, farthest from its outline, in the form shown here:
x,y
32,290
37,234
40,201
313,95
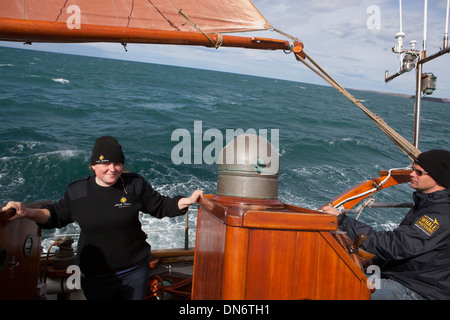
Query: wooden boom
x,y
42,31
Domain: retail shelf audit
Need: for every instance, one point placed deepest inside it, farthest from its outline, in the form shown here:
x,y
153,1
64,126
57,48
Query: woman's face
x,y
107,174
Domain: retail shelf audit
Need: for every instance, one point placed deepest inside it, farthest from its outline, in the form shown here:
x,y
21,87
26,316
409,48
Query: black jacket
x,y
111,237
416,253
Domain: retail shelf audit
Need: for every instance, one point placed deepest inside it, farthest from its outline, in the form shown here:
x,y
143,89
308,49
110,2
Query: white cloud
x,y
335,34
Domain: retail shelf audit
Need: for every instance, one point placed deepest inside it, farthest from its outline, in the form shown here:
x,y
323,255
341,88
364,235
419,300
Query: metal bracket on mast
x,y
407,57
419,58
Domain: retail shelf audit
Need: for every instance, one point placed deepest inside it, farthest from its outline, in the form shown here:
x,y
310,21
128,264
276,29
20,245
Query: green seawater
x,y
54,106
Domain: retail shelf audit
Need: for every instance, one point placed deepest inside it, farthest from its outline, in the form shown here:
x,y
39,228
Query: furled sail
x,y
192,22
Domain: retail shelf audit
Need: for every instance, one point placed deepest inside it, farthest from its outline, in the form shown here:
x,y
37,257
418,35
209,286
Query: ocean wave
x,y
63,154
24,146
326,146
169,232
61,80
344,140
19,181
162,233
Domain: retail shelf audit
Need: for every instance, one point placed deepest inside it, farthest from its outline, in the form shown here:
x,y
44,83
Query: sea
x,y
53,107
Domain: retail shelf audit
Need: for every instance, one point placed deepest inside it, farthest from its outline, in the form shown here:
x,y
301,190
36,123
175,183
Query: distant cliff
x,y
441,100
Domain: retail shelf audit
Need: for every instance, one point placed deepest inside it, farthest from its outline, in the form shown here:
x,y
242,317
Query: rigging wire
x,y
404,145
399,140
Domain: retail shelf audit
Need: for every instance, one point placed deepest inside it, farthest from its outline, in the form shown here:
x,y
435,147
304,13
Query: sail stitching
x,y
115,12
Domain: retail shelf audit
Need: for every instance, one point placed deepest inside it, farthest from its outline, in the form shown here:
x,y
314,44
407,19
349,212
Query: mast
x,y
418,98
410,59
446,26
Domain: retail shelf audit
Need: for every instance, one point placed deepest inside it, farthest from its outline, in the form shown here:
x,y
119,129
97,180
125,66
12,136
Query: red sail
x,y
183,22
209,15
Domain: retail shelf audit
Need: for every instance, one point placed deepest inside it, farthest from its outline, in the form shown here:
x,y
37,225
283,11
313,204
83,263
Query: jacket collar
x,y
442,196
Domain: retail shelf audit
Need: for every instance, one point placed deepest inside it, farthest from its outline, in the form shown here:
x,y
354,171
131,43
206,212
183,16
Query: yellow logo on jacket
x,y
427,224
123,203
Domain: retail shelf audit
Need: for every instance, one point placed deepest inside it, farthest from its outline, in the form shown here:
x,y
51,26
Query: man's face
x,y
422,181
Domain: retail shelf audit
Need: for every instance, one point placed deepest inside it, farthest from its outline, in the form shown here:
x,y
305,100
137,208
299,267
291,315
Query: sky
x,y
350,39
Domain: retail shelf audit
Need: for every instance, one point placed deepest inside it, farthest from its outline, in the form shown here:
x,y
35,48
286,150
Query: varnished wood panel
x,y
259,264
329,269
208,259
289,220
351,281
263,257
305,276
283,267
19,282
235,263
297,265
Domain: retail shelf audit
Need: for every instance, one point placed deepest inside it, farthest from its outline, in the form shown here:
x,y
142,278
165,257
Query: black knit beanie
x,y
437,164
107,149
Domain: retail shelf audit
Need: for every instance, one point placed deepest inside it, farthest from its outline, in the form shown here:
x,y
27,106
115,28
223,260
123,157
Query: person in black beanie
x,y
113,254
436,164
414,258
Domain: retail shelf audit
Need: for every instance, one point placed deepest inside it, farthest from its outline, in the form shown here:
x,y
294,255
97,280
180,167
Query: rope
x,y
161,288
284,34
400,141
366,203
65,245
219,38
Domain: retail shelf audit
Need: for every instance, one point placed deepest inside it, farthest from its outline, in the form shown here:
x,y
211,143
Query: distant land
x,y
441,100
